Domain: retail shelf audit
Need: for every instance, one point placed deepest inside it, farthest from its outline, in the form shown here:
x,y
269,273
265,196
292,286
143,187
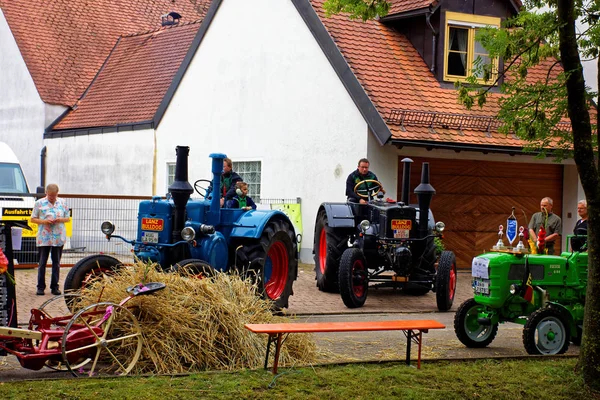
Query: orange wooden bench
x,y
412,329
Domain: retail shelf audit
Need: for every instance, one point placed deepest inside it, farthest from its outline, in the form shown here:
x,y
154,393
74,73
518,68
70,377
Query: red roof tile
x,y
394,76
134,80
65,42
400,6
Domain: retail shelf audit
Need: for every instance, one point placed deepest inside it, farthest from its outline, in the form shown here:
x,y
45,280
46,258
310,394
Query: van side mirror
x,y
40,192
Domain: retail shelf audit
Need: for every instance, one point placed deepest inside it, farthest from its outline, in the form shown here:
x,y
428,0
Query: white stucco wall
x,y
260,88
113,163
22,111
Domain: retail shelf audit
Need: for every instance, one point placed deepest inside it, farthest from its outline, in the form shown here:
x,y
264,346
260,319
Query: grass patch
x,y
498,379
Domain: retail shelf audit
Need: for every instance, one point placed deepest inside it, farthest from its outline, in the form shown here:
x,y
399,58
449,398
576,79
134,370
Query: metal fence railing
x,y
88,213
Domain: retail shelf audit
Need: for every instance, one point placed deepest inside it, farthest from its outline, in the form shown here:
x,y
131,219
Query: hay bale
x,y
198,324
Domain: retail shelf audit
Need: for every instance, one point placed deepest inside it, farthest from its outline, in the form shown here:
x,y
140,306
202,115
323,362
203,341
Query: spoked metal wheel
x,y
55,308
106,334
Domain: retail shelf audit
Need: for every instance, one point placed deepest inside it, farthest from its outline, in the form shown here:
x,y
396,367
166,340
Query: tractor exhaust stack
x,y
424,193
180,190
406,181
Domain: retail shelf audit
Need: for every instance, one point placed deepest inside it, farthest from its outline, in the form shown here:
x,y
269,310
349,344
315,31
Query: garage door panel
x,y
474,197
482,168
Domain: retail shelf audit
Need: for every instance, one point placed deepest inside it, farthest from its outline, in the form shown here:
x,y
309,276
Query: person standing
x,y
546,219
50,214
362,173
580,226
228,180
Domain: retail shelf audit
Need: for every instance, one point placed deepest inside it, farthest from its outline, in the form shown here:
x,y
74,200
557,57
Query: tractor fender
x,y
339,215
251,224
565,312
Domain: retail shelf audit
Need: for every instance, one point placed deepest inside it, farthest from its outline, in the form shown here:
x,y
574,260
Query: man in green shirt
x,y
552,224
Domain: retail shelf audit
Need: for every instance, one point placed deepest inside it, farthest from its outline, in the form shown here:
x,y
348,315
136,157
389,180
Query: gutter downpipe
x,y
42,188
434,40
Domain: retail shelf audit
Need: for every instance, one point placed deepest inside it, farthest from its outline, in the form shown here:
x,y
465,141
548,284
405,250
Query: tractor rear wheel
x,y
468,330
329,246
354,278
86,270
446,281
546,332
194,267
272,262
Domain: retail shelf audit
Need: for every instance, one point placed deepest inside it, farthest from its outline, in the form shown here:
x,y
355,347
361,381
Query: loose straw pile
x,y
198,324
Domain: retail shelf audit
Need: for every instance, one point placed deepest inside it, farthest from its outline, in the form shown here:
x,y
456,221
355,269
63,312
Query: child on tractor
x,y
241,198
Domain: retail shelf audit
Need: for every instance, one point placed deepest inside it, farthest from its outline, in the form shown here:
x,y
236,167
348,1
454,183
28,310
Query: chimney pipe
x,y
180,190
406,181
424,193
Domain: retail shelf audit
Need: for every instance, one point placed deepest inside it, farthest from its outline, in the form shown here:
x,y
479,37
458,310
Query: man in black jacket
x,y
362,173
228,181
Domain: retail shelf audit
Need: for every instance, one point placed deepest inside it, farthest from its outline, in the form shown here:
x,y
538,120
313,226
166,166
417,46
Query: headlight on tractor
x,y
513,289
440,226
107,227
364,225
188,233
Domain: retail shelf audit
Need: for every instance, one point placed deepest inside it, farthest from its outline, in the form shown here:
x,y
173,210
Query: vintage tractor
x,y
544,293
199,236
387,242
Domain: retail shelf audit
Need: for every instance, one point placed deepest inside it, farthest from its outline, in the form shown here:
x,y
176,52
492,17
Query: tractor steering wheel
x,y
370,191
199,188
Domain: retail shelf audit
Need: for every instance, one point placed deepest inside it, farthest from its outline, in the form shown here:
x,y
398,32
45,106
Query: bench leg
x,y
408,343
420,339
417,337
271,339
277,348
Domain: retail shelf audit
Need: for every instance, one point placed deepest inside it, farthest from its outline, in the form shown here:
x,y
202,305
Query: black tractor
x,y
384,242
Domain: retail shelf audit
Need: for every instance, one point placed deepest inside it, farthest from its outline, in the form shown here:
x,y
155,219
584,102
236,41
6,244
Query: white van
x,y
16,202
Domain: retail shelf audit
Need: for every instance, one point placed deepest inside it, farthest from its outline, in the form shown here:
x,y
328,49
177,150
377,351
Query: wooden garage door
x,y
474,197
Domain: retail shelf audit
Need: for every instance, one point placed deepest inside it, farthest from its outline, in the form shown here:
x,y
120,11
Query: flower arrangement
x,y
4,266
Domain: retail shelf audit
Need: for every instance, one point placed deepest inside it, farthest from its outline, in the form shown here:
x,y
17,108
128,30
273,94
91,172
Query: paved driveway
x,y
309,304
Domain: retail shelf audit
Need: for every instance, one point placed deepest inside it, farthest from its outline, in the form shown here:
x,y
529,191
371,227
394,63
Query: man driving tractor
x,y
362,173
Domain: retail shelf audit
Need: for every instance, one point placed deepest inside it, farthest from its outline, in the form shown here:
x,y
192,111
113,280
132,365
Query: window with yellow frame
x,y
461,49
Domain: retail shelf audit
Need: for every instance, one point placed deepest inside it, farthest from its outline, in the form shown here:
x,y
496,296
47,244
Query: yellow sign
x,y
152,224
24,214
402,224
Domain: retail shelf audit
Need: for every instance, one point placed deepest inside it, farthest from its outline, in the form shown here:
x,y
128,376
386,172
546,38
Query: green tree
x,y
533,109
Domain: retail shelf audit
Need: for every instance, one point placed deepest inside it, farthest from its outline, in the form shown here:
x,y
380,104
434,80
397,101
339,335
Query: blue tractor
x,y
197,235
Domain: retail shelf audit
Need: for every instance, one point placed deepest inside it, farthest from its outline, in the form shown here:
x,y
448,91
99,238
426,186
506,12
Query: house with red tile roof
x,y
52,50
296,98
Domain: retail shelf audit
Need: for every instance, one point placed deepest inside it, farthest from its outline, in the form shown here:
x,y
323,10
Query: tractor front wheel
x,y
446,281
468,329
546,332
329,246
354,278
272,262
194,267
86,270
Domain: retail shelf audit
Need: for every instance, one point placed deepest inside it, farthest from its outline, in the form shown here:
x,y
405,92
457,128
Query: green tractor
x,y
544,293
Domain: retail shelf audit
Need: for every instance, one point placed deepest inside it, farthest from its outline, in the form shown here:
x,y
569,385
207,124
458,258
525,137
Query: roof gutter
x,y
512,151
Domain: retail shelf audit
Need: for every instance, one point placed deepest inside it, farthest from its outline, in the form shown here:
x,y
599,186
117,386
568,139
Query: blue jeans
x,y
44,252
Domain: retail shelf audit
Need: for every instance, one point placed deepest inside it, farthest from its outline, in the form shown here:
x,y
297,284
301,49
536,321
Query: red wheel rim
x,y
323,251
276,270
359,282
452,281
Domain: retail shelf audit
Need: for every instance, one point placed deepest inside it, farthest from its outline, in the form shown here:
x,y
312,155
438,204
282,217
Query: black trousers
x,y
44,252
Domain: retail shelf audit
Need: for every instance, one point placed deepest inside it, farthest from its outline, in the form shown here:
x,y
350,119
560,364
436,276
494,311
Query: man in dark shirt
x,y
362,173
228,181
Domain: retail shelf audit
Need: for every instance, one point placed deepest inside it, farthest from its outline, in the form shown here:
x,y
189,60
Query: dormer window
x,y
461,48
